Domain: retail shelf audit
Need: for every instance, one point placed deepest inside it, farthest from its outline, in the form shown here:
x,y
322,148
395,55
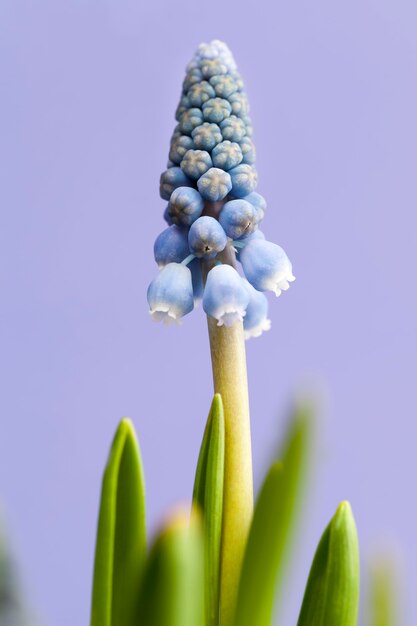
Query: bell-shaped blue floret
x,y
171,179
180,144
195,163
206,237
190,119
224,85
171,246
215,184
244,180
259,204
256,319
185,206
170,294
216,110
233,128
206,136
226,155
266,266
225,296
238,219
199,93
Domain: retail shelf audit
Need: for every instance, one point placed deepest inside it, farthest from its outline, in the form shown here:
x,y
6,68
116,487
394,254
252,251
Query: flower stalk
x,y
227,346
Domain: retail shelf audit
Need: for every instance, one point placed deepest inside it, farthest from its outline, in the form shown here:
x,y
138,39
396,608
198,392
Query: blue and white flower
x,y
206,136
225,296
233,128
190,119
238,218
244,180
206,237
179,146
212,67
171,246
170,294
172,178
195,163
266,266
239,103
200,93
193,76
185,206
256,319
216,110
215,184
226,155
223,85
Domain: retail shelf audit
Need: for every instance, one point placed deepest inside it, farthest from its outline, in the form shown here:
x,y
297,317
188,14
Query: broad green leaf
x,y
332,593
272,527
383,608
208,495
121,534
172,588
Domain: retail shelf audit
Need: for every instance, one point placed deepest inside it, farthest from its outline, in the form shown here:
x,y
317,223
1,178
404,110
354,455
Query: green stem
x,y
230,380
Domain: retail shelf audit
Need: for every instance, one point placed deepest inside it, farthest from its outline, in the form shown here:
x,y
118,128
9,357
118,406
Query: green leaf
x,y
332,594
121,534
208,495
172,589
272,526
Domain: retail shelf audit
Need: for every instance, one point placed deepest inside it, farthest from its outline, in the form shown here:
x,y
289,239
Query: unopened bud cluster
x,y
213,211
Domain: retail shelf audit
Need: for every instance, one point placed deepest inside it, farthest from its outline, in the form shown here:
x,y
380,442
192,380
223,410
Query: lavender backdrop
x,y
88,92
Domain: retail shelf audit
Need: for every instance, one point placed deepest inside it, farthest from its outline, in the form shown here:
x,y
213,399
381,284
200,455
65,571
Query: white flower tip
x,y
230,319
166,316
257,331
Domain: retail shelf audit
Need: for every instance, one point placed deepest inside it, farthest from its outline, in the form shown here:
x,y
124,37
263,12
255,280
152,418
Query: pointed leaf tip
x,y
332,592
121,533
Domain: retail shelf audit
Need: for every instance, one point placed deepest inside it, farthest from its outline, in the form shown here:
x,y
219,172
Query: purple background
x,y
88,92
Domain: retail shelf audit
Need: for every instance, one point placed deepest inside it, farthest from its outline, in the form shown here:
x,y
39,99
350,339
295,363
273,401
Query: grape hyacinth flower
x,y
225,296
170,294
213,209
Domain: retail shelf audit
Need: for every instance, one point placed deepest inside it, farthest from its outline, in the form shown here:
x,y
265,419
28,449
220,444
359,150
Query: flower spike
x,y
214,210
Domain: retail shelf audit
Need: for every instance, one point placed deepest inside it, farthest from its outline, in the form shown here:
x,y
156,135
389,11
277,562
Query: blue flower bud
x,y
248,151
185,206
206,237
200,93
225,296
237,218
266,266
192,77
238,79
171,179
224,86
256,319
233,128
226,155
195,163
214,185
244,180
170,294
216,110
206,136
239,103
190,119
179,146
171,246
213,67
184,105
259,203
